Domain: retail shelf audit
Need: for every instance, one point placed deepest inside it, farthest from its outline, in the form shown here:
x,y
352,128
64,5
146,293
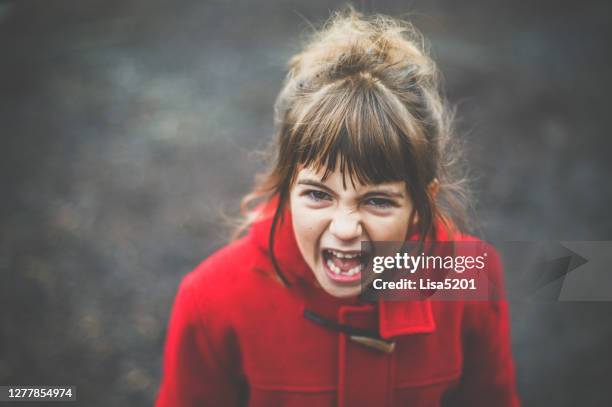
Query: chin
x,y
344,293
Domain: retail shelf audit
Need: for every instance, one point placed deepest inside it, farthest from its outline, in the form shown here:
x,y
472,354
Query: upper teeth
x,y
343,255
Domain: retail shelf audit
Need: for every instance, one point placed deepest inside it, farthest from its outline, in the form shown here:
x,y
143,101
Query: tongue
x,y
344,264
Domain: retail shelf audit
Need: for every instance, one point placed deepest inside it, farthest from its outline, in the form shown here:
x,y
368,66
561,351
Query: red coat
x,y
238,337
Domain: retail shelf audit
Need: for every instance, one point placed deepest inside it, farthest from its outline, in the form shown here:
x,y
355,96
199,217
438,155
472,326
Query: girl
x,y
276,318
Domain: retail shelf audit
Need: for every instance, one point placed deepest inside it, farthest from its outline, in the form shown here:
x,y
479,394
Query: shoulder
x,y
471,244
224,270
490,271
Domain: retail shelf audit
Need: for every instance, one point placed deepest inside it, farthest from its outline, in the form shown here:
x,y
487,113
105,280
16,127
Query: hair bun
x,y
350,44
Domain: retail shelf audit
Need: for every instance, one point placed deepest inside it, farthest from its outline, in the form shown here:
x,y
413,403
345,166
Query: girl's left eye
x,y
380,203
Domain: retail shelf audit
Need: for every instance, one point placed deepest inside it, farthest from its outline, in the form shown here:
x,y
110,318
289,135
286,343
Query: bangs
x,y
360,127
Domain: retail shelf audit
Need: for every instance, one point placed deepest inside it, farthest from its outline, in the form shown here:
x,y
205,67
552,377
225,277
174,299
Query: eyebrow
x,y
376,191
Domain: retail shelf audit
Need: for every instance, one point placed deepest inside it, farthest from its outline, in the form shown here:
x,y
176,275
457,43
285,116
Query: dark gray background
x,y
126,130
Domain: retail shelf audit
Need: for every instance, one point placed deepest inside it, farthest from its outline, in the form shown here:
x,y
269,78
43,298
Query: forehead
x,y
339,180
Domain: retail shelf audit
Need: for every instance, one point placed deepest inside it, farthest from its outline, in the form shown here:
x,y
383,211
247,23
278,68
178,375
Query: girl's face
x,y
331,221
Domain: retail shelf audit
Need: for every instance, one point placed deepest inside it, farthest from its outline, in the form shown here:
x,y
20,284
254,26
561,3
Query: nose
x,y
346,225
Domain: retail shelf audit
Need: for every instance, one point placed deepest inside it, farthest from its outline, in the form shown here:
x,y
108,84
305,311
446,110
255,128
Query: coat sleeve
x,y
488,377
195,370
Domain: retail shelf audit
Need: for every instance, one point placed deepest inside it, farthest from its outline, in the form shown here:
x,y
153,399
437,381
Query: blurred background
x,y
127,130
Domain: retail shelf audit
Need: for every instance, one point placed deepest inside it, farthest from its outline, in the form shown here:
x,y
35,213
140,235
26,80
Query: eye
x,y
380,203
316,195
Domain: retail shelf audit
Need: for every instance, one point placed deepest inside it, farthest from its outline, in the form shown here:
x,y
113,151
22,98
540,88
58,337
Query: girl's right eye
x,y
316,195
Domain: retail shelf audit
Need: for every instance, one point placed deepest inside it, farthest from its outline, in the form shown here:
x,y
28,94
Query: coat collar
x,y
394,317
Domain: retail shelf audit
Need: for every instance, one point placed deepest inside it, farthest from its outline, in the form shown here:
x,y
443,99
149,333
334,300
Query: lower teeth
x,y
336,270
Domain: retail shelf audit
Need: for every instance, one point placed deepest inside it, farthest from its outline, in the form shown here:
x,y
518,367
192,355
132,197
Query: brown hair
x,y
364,94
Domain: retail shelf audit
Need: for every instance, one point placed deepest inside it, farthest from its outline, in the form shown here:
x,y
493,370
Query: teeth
x,y
354,270
333,267
341,255
337,270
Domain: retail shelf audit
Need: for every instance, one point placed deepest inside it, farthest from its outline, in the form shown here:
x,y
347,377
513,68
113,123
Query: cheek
x,y
392,228
308,228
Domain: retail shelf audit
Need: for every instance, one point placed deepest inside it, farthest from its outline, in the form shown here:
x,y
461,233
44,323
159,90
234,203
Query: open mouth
x,y
344,266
